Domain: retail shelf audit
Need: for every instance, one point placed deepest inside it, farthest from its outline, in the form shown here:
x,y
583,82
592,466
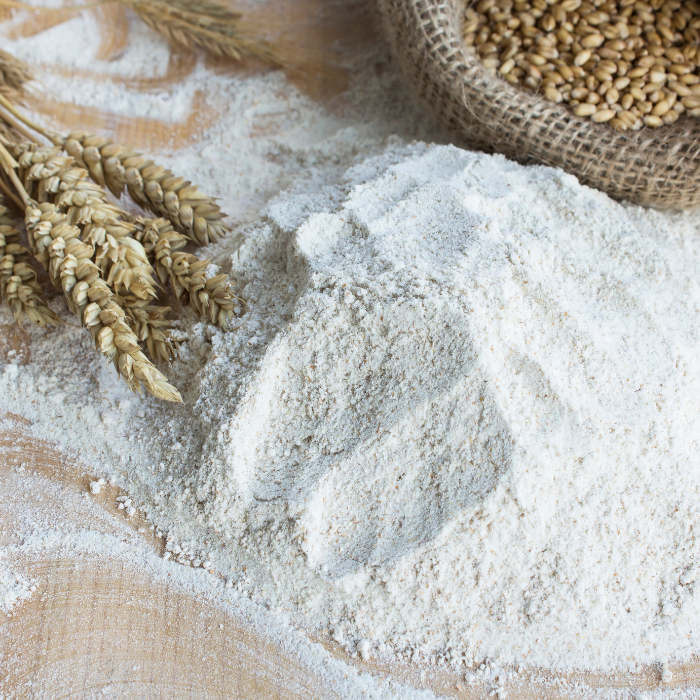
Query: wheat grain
x,y
151,186
160,240
627,62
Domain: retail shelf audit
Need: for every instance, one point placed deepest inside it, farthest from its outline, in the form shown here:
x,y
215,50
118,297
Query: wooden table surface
x,y
99,626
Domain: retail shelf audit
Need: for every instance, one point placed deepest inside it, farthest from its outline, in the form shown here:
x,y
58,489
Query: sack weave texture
x,y
654,167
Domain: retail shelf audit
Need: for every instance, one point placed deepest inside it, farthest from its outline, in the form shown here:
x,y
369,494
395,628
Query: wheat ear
x,y
185,207
212,297
128,271
66,206
121,259
151,186
91,299
14,74
100,255
150,324
84,201
205,25
18,279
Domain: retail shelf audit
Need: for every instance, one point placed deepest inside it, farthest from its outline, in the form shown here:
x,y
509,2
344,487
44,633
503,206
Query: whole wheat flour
x,y
458,421
471,427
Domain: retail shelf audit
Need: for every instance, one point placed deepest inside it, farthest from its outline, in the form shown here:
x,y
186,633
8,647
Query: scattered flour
x,y
14,589
459,421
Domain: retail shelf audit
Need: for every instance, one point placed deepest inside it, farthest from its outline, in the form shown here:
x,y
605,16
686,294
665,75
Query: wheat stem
x,y
205,25
54,138
14,74
19,128
9,164
7,192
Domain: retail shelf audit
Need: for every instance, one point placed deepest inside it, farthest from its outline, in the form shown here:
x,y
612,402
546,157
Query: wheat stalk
x,y
121,258
91,299
189,23
95,245
107,262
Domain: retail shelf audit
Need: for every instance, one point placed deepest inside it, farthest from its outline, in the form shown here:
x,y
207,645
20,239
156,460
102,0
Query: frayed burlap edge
x,y
658,167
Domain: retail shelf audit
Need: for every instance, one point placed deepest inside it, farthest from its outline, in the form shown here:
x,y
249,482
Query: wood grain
x,y
100,625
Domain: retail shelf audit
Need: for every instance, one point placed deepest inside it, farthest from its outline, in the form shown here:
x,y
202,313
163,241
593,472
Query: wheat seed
x,y
629,63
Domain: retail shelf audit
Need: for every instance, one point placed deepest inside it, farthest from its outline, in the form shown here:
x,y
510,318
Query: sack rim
x,y
658,167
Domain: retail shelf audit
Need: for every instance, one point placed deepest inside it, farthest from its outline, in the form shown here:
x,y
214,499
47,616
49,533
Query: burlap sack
x,y
658,167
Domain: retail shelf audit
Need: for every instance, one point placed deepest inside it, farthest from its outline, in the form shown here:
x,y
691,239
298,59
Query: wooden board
x,y
99,626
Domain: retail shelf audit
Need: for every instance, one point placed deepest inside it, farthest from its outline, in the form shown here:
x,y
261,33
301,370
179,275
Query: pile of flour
x,y
462,415
459,420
